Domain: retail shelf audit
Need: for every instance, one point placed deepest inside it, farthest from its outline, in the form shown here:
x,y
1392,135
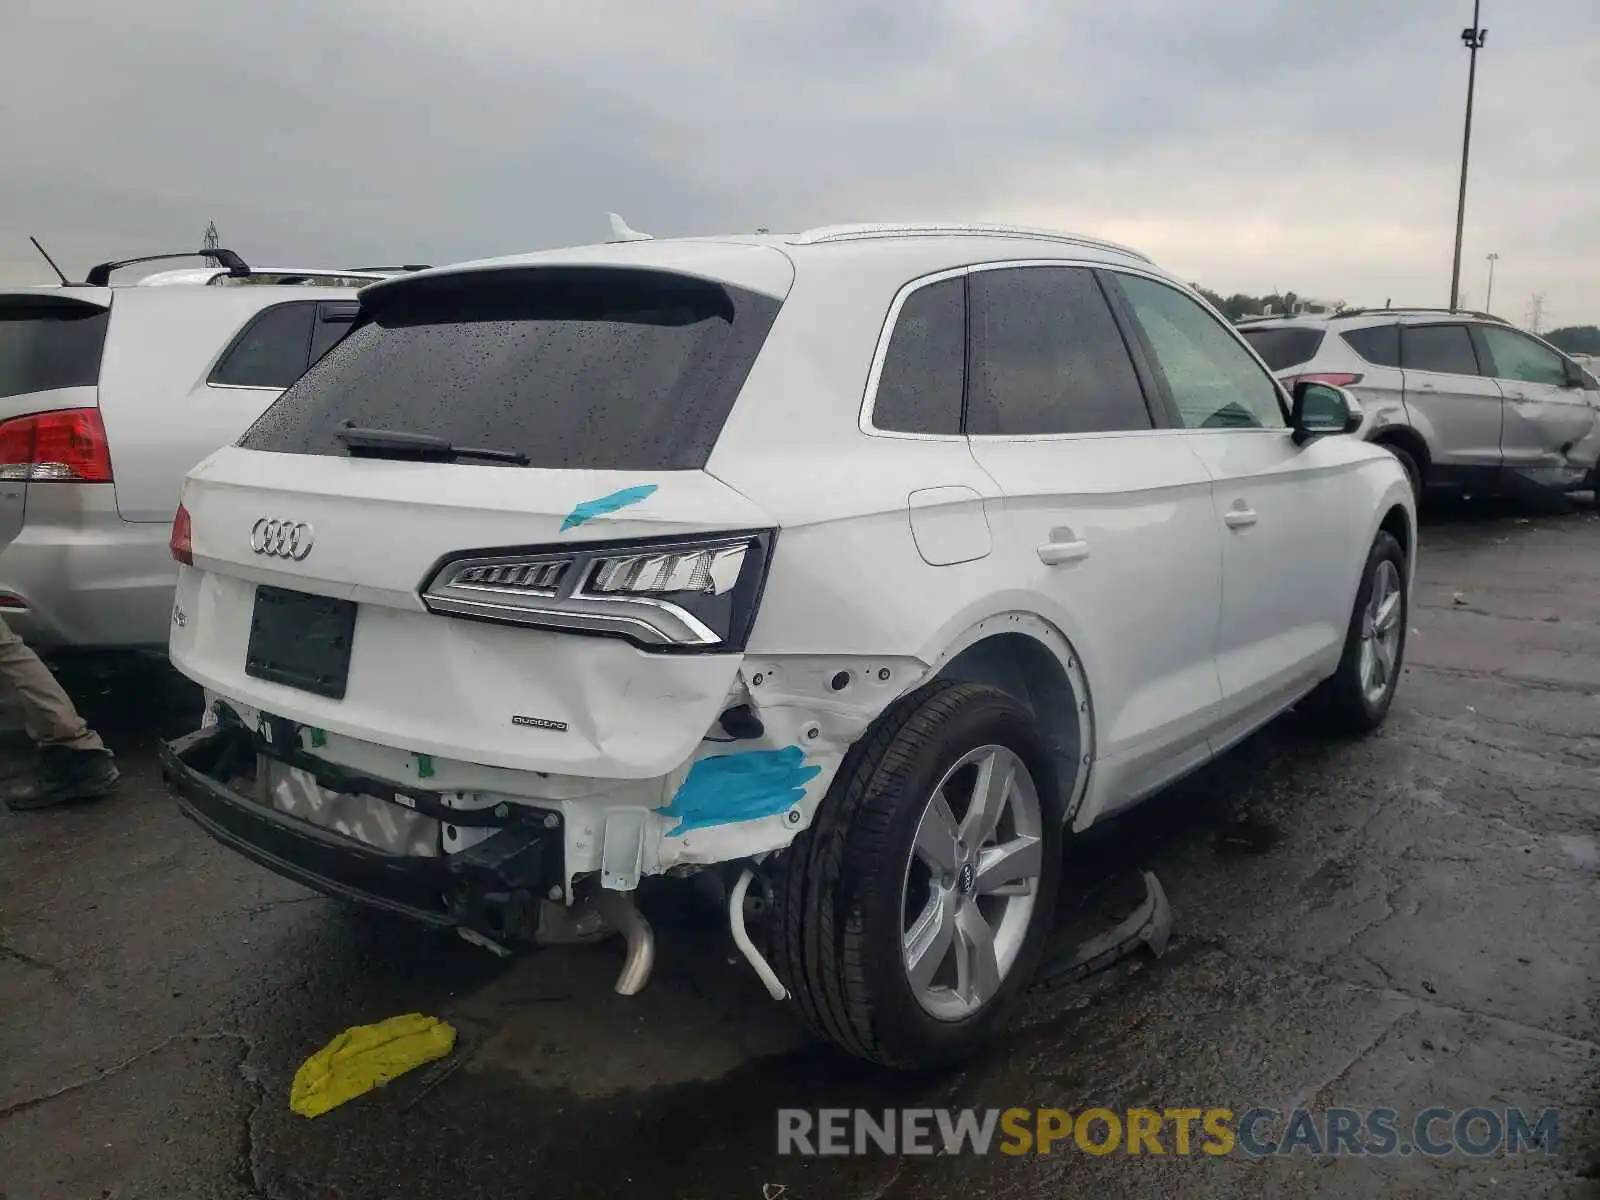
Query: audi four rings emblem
x,y
281,539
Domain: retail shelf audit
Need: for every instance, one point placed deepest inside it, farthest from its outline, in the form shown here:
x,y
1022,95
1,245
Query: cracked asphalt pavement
x,y
1402,921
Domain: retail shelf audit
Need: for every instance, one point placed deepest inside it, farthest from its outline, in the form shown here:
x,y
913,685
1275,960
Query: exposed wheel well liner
x,y
1027,669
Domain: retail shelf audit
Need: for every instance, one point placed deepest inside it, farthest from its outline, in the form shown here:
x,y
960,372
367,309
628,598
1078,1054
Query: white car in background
x,y
109,393
863,565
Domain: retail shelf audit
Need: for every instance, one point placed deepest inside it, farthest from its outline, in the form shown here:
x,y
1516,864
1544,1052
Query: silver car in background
x,y
108,395
1467,402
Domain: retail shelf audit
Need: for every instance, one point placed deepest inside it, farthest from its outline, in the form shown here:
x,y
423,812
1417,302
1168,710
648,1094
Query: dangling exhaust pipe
x,y
618,911
598,915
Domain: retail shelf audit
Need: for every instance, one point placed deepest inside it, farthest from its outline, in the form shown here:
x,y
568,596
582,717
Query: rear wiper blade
x,y
396,443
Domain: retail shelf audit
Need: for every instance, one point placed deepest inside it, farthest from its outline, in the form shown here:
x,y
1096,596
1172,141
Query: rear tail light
x,y
182,540
68,445
711,572
1342,379
686,594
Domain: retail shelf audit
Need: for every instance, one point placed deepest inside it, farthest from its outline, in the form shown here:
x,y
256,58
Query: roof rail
x,y
100,274
290,276
867,232
1402,309
406,267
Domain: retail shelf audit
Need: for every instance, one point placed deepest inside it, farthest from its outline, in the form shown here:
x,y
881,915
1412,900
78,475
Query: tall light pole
x,y
1473,39
1488,303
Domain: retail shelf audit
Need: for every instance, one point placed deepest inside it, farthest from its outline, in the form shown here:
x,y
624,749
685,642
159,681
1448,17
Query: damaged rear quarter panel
x,y
735,799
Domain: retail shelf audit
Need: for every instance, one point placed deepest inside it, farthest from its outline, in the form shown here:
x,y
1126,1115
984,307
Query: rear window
x,y
48,343
1280,348
575,367
1379,344
271,351
924,371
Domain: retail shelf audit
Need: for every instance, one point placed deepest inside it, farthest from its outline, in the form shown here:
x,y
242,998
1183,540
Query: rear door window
x,y
48,343
576,367
1379,344
1281,348
271,351
924,369
1047,357
1446,349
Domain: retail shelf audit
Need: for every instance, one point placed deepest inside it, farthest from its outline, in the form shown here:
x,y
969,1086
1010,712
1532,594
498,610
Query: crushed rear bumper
x,y
492,888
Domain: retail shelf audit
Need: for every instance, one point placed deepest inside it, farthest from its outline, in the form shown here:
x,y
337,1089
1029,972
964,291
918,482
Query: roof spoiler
x,y
100,275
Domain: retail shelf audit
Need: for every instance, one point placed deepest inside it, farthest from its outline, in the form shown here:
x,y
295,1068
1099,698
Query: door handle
x,y
1054,554
1239,518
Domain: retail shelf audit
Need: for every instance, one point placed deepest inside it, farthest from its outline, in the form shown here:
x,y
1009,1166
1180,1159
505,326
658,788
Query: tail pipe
x,y
621,914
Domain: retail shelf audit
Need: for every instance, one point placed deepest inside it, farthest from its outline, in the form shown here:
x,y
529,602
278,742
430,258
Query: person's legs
x,y
74,763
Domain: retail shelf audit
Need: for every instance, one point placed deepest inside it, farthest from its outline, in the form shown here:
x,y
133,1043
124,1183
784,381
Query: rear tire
x,y
1356,698
859,915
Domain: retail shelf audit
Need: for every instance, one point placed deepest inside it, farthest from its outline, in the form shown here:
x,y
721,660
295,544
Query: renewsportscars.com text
x,y
1258,1132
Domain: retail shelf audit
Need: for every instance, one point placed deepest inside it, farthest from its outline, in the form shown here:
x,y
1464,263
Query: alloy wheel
x,y
972,882
1380,632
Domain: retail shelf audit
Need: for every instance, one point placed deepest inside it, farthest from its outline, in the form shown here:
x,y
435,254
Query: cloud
x,y
1247,145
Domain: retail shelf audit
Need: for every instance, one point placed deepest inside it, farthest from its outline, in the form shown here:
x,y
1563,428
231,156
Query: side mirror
x,y
1574,374
1321,409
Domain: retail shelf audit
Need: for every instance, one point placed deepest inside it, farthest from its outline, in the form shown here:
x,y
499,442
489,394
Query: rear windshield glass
x,y
575,367
1280,348
46,344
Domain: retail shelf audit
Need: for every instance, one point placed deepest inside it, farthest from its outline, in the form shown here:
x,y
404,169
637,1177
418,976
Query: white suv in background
x,y
862,565
1465,401
108,395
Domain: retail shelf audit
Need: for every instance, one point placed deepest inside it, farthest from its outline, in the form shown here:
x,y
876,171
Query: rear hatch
x,y
1284,346
576,600
50,347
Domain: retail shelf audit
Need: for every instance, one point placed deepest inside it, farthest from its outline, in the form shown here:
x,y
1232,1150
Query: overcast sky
x,y
1248,145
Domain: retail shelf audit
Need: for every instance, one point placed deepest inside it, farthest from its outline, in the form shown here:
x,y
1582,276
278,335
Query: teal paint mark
x,y
424,766
590,509
739,787
318,739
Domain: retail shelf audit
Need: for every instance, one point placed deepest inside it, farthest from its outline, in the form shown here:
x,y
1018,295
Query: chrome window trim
x,y
881,352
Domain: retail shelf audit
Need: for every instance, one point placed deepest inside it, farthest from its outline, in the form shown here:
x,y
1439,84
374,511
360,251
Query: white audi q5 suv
x,y
860,566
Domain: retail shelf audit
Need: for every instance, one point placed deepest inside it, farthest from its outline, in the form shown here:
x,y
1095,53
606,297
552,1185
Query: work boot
x,y
66,776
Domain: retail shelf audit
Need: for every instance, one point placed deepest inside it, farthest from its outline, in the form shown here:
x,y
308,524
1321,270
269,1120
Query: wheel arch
x,y
1031,660
1404,437
1398,524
